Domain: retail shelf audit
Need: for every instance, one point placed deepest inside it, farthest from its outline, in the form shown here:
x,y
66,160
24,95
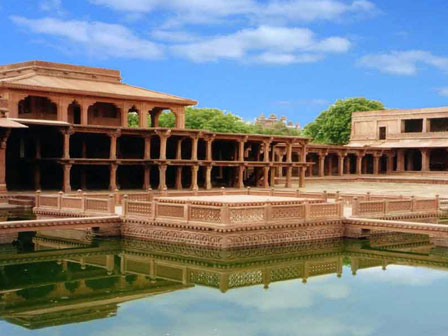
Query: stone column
x,y
179,178
347,164
66,143
241,150
288,182
272,177
359,164
390,163
3,143
63,110
113,177
266,148
147,177
289,152
208,177
194,148
147,154
66,184
194,177
400,160
330,165
302,177
162,177
425,159
266,177
376,164
341,163
163,140
179,149
208,154
113,146
322,164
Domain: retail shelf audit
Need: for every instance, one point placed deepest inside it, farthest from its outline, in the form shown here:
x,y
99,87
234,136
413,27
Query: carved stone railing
x,y
79,204
388,207
231,214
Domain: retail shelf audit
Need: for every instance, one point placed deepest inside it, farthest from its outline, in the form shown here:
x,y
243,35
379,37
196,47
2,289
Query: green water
x,y
394,284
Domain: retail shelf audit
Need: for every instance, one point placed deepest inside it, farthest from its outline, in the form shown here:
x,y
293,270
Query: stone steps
x,y
25,201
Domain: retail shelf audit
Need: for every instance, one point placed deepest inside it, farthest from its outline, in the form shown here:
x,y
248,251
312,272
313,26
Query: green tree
x,y
333,126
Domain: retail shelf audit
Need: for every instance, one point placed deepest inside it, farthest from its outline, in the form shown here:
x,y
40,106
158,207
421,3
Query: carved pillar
x,y
147,154
66,133
113,145
288,182
147,178
272,177
390,163
266,148
425,159
289,152
194,177
162,177
376,164
208,177
322,164
359,164
240,177
194,148
66,183
266,177
163,140
241,150
113,177
302,176
179,149
347,164
3,143
208,151
341,163
63,110
400,160
179,178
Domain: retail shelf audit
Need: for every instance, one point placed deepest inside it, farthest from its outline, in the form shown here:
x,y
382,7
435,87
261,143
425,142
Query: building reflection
x,y
65,280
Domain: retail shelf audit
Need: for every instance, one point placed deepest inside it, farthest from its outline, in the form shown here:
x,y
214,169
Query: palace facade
x,y
66,127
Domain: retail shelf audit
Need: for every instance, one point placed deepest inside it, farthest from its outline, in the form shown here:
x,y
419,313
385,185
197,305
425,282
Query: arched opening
x,y
383,164
36,107
104,114
350,164
438,159
413,160
74,113
133,117
159,117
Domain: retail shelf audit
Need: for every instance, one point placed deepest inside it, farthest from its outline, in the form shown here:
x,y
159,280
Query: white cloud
x,y
174,36
443,91
403,62
54,6
203,11
265,44
402,275
98,38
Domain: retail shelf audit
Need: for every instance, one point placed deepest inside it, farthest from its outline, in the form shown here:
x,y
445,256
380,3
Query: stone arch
x,y
133,117
104,114
438,159
37,107
163,117
74,112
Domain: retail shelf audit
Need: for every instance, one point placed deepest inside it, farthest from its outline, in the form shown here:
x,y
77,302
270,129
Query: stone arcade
x,y
66,127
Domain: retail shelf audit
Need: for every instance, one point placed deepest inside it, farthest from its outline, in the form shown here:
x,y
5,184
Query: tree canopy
x,y
333,126
216,120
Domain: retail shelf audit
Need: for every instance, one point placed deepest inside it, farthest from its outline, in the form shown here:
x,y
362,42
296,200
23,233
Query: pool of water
x,y
394,284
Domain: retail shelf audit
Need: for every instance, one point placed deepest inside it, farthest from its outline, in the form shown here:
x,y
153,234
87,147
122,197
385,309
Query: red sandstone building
x,y
66,127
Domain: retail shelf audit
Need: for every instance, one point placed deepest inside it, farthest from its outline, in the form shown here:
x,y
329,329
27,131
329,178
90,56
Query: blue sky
x,y
289,57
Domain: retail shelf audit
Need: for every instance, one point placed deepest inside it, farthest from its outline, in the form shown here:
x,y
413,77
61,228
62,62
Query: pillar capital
x,y
165,133
114,134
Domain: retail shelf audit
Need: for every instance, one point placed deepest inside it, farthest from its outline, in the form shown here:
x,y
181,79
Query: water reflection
x,y
53,280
